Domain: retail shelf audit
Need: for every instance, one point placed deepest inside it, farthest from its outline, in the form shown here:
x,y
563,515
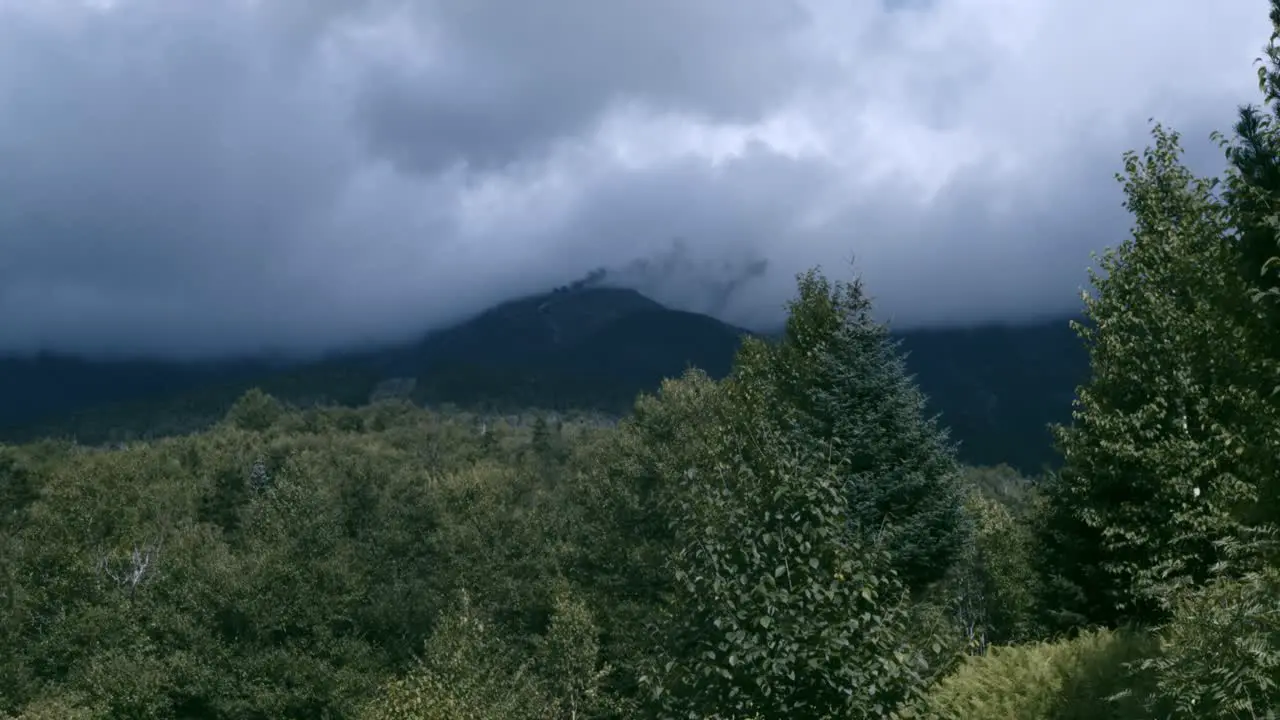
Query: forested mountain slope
x,y
996,387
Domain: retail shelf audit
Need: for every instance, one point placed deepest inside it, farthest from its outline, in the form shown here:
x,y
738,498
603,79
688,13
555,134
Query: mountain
x,y
576,348
998,387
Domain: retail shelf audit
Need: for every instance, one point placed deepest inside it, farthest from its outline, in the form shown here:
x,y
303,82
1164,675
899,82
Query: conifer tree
x,y
841,384
1252,195
1253,186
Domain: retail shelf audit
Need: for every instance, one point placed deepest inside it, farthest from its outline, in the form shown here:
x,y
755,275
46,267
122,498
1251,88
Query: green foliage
x,y
1253,188
151,614
781,607
469,671
1252,196
280,572
1220,655
1166,509
1073,588
992,592
19,486
1067,680
839,386
1171,437
568,660
747,536
466,673
617,531
55,708
255,410
1003,485
492,539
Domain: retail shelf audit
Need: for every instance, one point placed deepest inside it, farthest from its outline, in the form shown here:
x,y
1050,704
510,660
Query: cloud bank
x,y
235,176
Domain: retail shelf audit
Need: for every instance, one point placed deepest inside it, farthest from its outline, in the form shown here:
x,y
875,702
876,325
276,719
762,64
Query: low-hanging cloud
x,y
239,176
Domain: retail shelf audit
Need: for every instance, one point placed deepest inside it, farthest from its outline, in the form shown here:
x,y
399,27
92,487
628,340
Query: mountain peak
x,y
560,317
584,346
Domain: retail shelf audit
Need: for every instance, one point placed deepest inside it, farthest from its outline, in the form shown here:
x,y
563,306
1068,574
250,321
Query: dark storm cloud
x,y
503,80
245,175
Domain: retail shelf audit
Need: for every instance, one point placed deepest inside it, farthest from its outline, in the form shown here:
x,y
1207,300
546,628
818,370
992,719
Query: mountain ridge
x,y
592,348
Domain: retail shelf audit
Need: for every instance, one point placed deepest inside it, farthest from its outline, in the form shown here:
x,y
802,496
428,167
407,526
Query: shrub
x,y
61,707
1067,680
1220,655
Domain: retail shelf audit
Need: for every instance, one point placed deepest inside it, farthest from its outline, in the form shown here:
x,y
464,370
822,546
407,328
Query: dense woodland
x,y
795,540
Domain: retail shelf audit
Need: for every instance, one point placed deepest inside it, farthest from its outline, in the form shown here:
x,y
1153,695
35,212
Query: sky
x,y
223,177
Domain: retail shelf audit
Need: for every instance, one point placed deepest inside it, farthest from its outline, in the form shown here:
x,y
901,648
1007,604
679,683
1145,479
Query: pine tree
x,y
1252,195
1253,185
541,437
841,384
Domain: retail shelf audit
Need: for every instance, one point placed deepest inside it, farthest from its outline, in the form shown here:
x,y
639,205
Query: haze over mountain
x,y
580,347
223,178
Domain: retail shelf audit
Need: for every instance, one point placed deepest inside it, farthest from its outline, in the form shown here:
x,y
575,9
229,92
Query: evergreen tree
x,y
1253,186
541,442
840,385
1252,195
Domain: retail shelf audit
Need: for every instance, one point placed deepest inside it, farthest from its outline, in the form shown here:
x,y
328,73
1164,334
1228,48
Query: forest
x,y
794,540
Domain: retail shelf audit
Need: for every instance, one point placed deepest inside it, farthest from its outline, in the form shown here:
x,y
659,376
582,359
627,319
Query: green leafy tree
x,y
568,661
470,669
1159,462
781,605
255,411
792,507
618,532
994,589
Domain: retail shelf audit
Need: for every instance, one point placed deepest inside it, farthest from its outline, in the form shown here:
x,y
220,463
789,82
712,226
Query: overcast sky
x,y
223,176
